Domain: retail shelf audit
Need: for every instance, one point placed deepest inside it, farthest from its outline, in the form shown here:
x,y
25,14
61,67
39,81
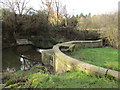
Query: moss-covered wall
x,y
47,57
87,44
62,62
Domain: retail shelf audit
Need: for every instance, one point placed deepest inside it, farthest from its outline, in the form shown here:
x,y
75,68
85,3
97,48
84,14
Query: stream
x,y
20,58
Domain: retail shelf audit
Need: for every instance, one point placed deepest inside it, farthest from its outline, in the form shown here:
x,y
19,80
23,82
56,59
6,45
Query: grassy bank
x,y
39,77
105,57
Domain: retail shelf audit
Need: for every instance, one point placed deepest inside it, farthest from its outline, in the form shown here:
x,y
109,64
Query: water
x,y
20,58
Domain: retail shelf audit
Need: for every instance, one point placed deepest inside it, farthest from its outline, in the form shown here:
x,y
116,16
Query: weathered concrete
x,y
62,63
65,63
87,44
48,57
113,74
65,47
23,41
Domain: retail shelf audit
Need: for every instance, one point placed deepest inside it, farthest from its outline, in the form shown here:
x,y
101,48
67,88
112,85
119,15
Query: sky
x,y
85,6
92,6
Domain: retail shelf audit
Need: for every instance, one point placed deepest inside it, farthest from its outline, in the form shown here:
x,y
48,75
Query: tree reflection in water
x,y
26,64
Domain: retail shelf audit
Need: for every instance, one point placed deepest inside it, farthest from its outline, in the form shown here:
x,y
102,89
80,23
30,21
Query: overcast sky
x,y
85,6
92,6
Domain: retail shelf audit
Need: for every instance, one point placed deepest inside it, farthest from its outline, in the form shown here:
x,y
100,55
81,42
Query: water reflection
x,y
10,69
13,59
10,60
26,63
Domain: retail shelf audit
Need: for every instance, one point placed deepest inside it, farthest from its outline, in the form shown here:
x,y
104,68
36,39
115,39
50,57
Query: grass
x,y
70,80
105,57
37,78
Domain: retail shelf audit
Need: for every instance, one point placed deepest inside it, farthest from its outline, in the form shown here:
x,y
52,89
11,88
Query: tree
x,y
8,26
17,6
83,23
72,21
48,7
57,4
54,10
65,14
81,15
89,15
14,18
77,16
35,24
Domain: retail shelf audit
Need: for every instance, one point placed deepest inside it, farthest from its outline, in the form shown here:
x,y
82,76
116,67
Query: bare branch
x,y
17,5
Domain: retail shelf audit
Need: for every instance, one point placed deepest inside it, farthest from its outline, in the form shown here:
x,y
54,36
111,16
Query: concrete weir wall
x,y
48,57
86,44
62,63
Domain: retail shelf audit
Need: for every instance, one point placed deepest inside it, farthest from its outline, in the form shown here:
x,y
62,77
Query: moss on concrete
x,y
65,63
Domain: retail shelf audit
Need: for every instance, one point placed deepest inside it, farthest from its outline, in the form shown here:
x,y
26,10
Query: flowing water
x,y
20,58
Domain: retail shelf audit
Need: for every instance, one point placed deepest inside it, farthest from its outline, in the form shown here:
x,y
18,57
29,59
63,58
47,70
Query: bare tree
x,y
65,14
53,9
47,5
58,6
17,6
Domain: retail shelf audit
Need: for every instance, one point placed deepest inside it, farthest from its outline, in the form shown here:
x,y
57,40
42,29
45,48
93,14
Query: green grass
x,y
104,57
37,78
70,80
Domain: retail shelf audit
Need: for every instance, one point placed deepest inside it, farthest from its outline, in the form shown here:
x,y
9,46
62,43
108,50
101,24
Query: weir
x,y
63,63
23,41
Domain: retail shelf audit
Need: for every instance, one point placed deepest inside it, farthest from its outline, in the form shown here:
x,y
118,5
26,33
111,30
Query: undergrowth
x,y
39,77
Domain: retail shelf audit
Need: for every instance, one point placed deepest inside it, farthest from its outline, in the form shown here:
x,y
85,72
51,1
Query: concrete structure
x,y
23,41
62,63
47,57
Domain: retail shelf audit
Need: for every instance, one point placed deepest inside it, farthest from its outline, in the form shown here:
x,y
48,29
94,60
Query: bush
x,y
111,36
105,24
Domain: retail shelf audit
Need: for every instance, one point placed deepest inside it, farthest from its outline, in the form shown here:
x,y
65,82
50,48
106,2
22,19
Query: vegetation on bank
x,y
105,57
39,77
51,25
54,24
